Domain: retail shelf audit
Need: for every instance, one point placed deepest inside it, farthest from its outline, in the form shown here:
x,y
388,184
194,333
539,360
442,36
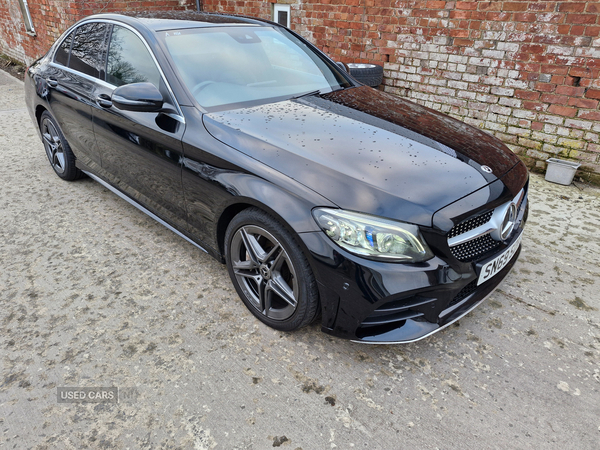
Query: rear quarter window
x,y
62,53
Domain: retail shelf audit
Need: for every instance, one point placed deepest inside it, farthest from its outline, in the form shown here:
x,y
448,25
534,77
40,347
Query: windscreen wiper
x,y
306,94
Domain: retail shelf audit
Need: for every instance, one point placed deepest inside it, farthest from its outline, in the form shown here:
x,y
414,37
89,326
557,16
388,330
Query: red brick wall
x,y
51,17
525,71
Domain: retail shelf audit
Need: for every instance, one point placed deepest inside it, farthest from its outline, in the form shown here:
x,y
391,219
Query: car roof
x,y
172,20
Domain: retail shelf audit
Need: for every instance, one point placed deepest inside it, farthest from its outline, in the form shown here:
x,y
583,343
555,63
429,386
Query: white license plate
x,y
497,264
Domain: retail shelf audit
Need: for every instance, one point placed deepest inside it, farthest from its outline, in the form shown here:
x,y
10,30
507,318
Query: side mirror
x,y
141,97
343,66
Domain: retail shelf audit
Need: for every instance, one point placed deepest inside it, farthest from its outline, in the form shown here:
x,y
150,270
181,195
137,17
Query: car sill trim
x,y
141,208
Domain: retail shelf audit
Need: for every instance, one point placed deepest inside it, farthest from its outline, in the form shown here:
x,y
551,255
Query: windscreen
x,y
234,65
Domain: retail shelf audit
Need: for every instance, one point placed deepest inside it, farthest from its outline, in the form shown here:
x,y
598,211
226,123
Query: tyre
x,y
57,149
369,74
269,271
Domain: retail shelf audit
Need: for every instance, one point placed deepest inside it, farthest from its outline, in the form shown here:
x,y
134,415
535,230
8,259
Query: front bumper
x,y
416,329
384,303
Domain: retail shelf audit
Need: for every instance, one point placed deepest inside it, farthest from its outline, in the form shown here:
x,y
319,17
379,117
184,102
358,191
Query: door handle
x,y
104,101
52,82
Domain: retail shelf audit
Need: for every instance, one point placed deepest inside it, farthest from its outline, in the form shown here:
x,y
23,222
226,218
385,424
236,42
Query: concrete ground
x,y
95,294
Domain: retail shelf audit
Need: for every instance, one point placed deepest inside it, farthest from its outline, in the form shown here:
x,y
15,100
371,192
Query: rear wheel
x,y
57,149
269,271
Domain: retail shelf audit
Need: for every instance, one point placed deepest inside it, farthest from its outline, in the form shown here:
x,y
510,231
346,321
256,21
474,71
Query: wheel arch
x,y
39,110
240,204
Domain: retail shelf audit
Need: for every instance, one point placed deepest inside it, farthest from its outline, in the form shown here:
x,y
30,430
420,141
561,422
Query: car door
x,y
141,151
71,79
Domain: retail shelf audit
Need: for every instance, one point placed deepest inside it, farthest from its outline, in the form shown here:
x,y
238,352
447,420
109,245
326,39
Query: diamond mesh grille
x,y
476,248
470,224
472,250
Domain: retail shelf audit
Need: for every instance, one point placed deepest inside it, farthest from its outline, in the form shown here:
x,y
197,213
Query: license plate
x,y
497,264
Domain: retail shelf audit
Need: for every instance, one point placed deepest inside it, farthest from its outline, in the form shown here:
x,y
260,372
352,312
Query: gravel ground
x,y
95,294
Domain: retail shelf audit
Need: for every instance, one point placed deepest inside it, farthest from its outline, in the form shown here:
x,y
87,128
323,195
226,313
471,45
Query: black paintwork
x,y
139,97
357,160
358,149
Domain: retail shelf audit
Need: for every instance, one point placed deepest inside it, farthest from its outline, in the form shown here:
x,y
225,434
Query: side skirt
x,y
141,208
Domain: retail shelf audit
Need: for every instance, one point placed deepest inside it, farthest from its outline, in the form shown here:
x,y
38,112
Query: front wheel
x,y
270,272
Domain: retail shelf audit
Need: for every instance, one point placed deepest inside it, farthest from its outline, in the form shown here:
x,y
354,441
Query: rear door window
x,y
88,49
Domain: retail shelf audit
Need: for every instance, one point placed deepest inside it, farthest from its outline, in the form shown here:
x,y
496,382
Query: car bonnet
x,y
368,151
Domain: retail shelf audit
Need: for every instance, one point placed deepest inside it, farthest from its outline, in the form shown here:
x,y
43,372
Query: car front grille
x,y
472,250
470,224
481,243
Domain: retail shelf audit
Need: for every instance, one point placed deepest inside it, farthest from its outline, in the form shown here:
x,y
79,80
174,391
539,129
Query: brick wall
x,y
525,71
51,17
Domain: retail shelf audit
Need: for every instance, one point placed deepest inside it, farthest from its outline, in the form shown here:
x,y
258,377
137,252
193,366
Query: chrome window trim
x,y
179,116
68,32
82,75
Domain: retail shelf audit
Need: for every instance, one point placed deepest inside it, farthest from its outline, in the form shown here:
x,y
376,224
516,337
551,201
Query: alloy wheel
x,y
53,145
265,272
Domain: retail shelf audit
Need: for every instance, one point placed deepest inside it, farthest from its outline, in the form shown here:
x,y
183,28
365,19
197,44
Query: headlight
x,y
373,237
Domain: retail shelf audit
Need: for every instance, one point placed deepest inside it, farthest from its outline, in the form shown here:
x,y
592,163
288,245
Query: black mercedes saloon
x,y
328,200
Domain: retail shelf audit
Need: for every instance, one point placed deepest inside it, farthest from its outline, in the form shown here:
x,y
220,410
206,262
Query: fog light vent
x,y
464,293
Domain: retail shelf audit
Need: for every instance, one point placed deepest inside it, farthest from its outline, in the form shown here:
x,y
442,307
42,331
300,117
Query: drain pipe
x,y
198,5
